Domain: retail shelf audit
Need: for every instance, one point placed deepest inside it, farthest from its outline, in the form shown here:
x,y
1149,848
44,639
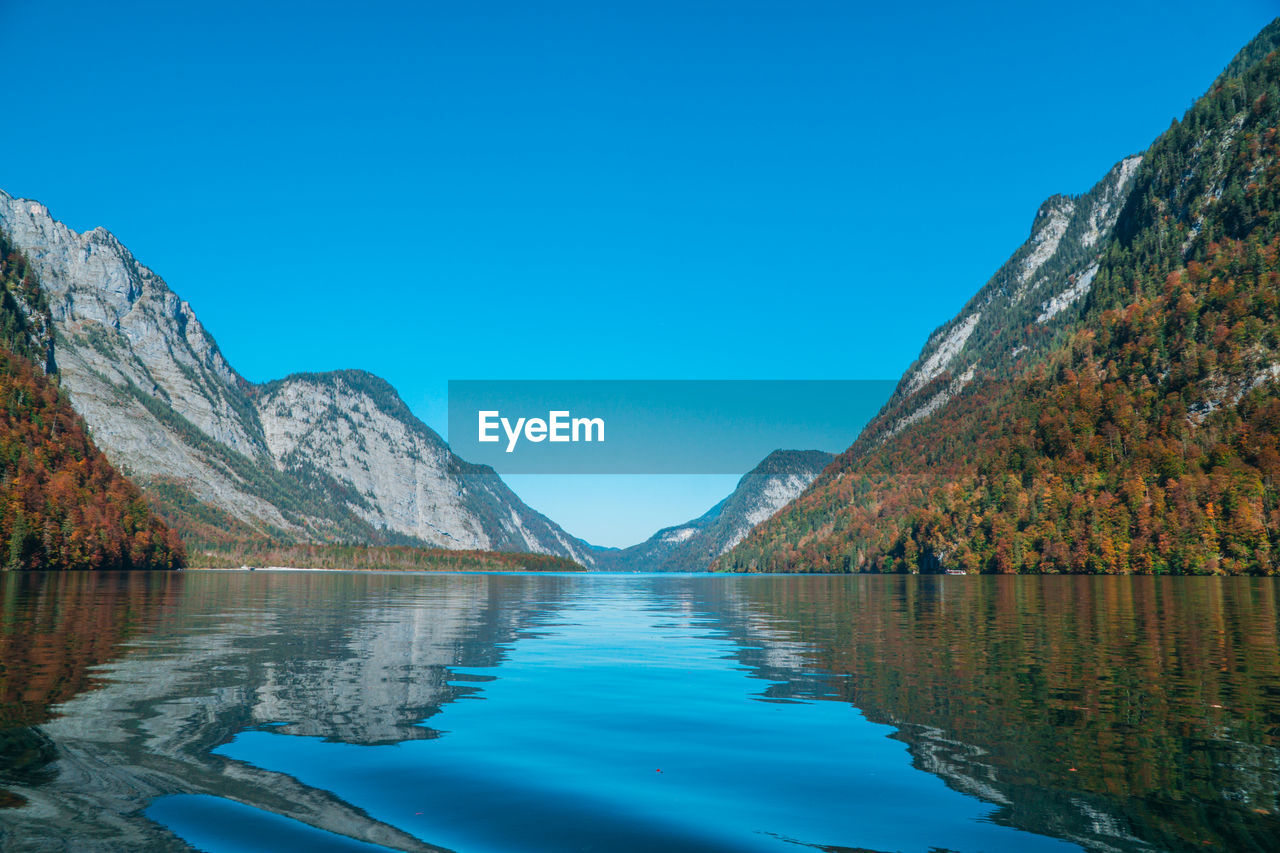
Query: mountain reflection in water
x,y
637,712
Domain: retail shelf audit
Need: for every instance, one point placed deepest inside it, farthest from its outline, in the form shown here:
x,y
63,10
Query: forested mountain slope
x,y
1132,425
62,504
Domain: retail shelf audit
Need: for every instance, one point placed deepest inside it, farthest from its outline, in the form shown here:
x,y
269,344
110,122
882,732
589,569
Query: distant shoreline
x,y
389,570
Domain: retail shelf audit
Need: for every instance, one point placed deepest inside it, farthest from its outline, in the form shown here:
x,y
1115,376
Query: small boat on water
x,y
956,572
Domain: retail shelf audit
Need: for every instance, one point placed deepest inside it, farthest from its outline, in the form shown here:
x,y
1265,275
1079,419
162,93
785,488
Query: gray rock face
x,y
691,547
401,477
103,300
353,427
312,457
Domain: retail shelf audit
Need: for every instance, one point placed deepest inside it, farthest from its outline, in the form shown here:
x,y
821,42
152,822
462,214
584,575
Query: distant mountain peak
x,y
692,546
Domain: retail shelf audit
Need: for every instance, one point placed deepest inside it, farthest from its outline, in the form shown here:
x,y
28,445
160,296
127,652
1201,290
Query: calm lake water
x,y
347,711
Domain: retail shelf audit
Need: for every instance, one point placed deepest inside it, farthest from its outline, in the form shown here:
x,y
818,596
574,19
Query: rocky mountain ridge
x,y
225,459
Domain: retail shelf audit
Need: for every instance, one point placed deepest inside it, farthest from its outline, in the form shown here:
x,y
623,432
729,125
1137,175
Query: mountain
x,y
1109,401
333,457
399,475
691,547
62,504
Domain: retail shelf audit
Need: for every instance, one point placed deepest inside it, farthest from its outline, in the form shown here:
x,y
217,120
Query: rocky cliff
x,y
334,457
352,427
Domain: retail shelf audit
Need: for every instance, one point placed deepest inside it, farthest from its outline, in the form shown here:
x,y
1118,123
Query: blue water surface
x,y
341,711
623,723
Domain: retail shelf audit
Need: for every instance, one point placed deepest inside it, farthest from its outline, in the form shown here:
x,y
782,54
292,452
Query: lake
x,y
539,712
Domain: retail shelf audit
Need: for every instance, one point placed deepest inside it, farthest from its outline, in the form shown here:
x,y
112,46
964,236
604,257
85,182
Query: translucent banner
x,y
653,426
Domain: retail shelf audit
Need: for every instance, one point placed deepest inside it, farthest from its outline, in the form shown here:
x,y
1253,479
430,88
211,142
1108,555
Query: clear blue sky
x,y
585,190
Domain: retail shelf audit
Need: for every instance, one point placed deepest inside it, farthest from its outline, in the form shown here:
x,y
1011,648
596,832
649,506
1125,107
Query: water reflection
x,y
1117,713
55,628
352,658
627,726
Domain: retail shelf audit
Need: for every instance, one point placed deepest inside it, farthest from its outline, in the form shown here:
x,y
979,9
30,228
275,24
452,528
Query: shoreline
x,y
385,570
